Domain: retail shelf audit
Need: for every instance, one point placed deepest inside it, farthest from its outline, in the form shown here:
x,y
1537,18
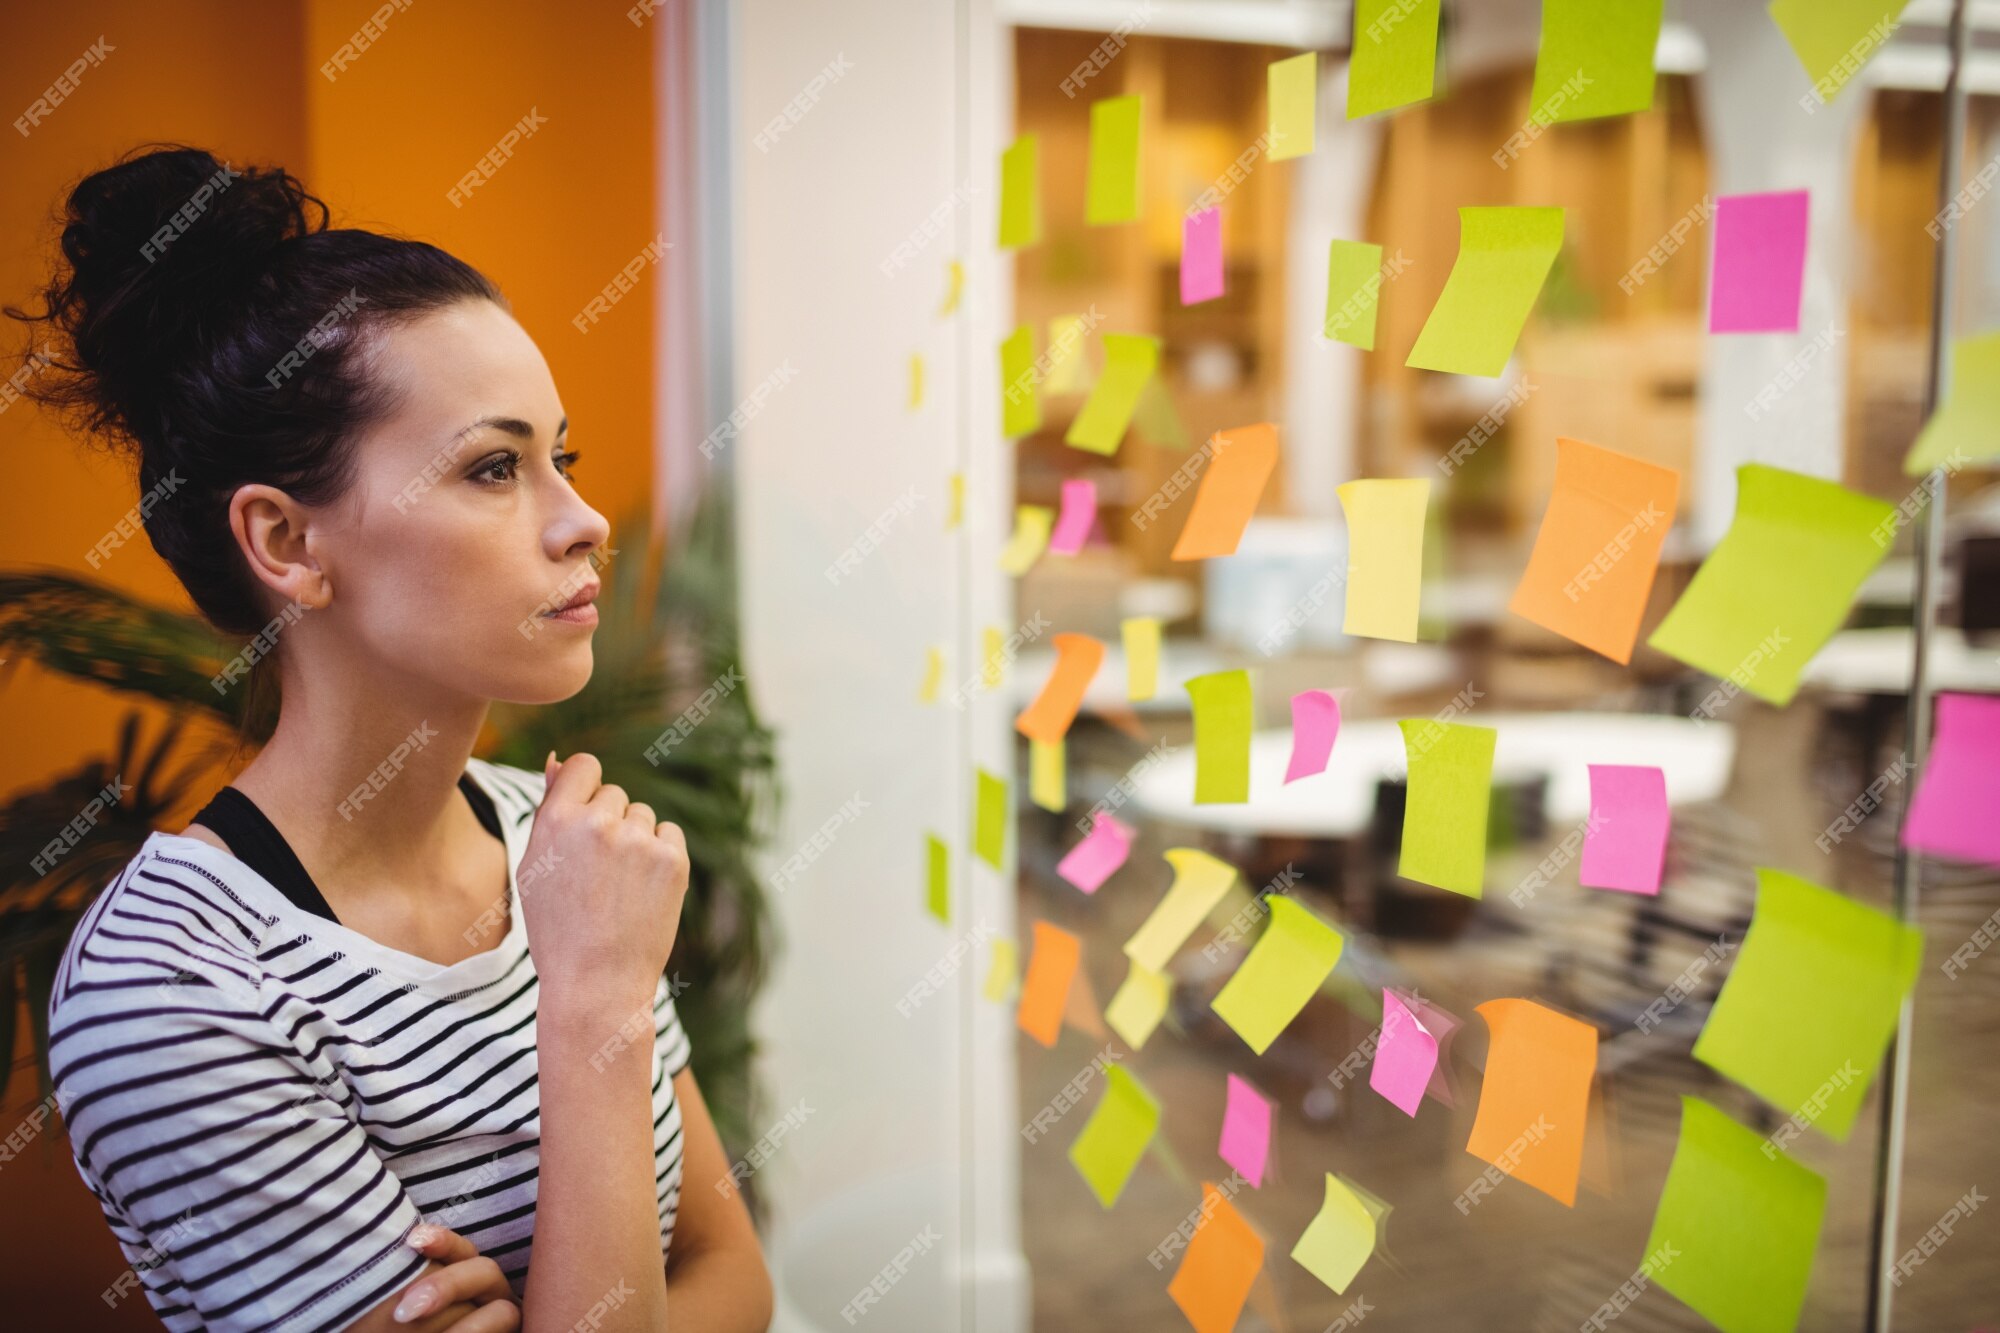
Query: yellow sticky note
x,y
1066,366
1222,717
1392,60
933,675
938,897
1141,637
993,658
1292,88
1032,524
1595,59
1113,190
1833,39
1020,395
1200,880
1020,194
1129,362
1156,419
989,818
1504,255
916,381
1340,1238
1003,971
1045,774
1115,1137
954,287
954,513
1385,555
1139,1005
1353,286
1966,426
1444,812
1286,966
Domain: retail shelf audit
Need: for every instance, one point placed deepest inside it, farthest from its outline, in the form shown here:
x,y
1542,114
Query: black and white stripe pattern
x,y
265,1102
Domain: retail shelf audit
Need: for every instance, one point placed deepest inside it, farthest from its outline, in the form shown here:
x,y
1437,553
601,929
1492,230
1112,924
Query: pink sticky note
x,y
1405,1056
1246,1131
1760,262
1088,864
1956,810
1315,722
1073,522
1442,1026
1625,842
1201,256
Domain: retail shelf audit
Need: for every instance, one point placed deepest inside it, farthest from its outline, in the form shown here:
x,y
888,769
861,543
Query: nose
x,y
576,529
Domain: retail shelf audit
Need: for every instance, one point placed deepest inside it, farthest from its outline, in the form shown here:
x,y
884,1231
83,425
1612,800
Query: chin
x,y
548,679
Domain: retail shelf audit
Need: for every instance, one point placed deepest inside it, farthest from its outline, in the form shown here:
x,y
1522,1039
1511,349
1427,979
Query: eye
x,y
498,468
567,460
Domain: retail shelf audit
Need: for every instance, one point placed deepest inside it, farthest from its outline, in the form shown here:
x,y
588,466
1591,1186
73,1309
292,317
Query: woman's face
x,y
463,533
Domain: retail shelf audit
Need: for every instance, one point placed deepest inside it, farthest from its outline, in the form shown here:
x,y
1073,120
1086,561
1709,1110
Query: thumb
x,y
550,766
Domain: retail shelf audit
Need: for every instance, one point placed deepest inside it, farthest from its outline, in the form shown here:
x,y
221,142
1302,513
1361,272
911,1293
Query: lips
x,y
584,597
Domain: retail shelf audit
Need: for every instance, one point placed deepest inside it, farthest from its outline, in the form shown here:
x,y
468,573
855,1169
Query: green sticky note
x,y
939,899
1115,1137
989,820
1833,39
1779,583
1113,190
1155,418
1020,395
1353,281
1596,59
1129,362
1736,1228
1966,426
1444,811
1393,60
1810,1003
1504,254
1292,97
1020,193
1221,736
1284,969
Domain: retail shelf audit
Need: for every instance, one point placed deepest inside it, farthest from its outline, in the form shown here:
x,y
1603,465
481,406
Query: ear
x,y
274,533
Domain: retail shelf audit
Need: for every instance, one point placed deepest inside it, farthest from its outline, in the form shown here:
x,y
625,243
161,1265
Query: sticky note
x,y
1112,194
1139,1005
916,381
1283,970
1020,194
1834,38
1760,262
1222,715
1736,1227
1240,461
1051,971
1045,774
1129,362
1595,58
1955,812
1155,418
1340,1238
1200,880
1066,366
1504,254
1141,637
1219,1266
1048,718
1625,838
927,693
1385,555
1020,396
1291,98
1966,426
1443,1025
1808,1007
1406,1056
989,827
995,656
1246,1130
1076,517
1201,256
1031,537
1536,1097
1353,282
1315,722
1115,1137
1778,584
1082,1012
1393,57
1094,860
954,513
954,287
938,860
1591,571
1444,812
1002,972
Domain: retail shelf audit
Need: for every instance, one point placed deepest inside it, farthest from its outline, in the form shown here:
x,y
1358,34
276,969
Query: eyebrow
x,y
512,425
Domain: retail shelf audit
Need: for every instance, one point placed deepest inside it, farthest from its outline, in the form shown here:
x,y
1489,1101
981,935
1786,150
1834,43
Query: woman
x,y
376,982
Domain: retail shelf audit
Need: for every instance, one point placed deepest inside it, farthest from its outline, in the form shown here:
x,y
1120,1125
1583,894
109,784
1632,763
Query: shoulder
x,y
516,792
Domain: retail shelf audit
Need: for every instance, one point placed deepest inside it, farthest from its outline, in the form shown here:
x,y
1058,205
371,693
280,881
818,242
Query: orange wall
x,y
382,143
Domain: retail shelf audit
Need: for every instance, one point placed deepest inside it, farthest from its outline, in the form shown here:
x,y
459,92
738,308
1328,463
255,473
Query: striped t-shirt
x,y
265,1102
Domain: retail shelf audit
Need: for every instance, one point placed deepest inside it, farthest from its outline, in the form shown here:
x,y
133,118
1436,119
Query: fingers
x,y
475,1281
577,780
441,1243
496,1317
641,814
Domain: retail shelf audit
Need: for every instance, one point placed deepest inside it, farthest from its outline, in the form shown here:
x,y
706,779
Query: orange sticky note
x,y
1220,1265
1045,992
1536,1097
1592,567
1240,463
1047,719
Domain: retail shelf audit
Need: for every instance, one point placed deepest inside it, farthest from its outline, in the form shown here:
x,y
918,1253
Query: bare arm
x,y
716,1279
